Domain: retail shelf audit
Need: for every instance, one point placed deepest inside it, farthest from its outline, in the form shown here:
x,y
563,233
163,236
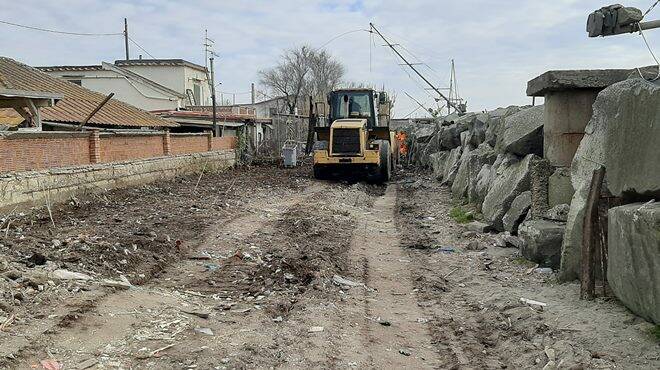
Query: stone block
x,y
542,241
511,181
623,136
523,132
634,258
575,80
560,189
517,212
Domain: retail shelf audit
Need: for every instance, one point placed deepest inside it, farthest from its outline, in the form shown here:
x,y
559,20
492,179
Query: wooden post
x,y
591,236
96,110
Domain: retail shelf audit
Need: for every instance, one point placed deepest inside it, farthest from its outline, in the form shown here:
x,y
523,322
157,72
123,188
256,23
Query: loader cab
x,y
353,104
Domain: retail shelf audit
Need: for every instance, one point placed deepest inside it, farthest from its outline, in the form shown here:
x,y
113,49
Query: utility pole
x,y
215,122
449,102
126,37
253,92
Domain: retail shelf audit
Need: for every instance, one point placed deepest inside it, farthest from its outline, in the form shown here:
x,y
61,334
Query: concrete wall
x,y
29,189
566,116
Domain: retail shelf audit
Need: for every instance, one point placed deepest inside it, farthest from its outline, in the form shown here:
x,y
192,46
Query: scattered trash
x,y
341,281
446,250
156,352
198,313
122,284
211,267
87,364
205,331
534,304
384,322
315,329
51,365
289,277
70,275
422,320
543,270
278,319
404,352
242,310
201,256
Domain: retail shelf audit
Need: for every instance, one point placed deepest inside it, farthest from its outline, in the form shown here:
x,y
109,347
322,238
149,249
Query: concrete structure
x,y
29,189
149,84
622,136
569,96
634,257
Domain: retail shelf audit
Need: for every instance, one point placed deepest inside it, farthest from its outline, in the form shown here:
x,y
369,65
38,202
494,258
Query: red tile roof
x,y
77,102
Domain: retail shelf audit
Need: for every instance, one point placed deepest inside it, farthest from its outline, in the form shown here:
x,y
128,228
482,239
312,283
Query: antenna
x,y
459,108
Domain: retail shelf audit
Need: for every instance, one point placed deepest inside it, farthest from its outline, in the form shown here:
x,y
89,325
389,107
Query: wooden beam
x,y
98,108
591,236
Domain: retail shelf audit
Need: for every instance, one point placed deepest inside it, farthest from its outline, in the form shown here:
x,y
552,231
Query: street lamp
x,y
617,19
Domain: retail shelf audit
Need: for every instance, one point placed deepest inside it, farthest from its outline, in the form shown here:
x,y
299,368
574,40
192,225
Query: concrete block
x,y
523,132
512,180
517,212
622,135
567,113
575,80
560,189
542,241
634,258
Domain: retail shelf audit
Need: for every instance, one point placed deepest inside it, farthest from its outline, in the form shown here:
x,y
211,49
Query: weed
x,y
461,216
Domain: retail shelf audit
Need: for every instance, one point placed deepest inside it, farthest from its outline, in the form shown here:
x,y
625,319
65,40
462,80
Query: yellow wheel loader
x,y
355,138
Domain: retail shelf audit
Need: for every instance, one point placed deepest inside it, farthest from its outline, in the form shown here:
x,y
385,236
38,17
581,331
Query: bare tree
x,y
302,72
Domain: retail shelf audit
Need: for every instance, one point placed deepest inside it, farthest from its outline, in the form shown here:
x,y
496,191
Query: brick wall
x,y
225,142
116,148
189,143
31,151
34,151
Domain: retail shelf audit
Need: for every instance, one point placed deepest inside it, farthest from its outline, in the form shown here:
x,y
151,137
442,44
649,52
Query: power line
x,y
141,48
651,8
60,32
339,36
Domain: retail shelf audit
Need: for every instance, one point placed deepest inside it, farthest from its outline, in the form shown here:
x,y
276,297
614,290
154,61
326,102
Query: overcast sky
x,y
498,45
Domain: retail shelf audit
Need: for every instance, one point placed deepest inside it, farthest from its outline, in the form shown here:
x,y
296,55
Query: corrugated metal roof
x,y
77,102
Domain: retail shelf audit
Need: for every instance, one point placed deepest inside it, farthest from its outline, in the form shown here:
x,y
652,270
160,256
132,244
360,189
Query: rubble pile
x,y
488,159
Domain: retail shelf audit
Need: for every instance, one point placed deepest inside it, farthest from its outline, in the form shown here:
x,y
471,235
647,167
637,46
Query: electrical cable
x,y
341,35
648,46
60,32
651,8
141,48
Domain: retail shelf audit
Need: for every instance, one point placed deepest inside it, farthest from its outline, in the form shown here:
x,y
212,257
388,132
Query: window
x,y
352,105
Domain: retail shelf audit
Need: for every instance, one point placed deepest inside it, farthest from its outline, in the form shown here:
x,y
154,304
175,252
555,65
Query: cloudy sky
x,y
498,45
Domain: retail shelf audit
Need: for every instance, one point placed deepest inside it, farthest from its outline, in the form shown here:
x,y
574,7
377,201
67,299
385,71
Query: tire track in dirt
x,y
392,330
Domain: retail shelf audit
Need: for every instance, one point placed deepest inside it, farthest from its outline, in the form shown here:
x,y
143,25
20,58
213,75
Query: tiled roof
x,y
69,68
77,102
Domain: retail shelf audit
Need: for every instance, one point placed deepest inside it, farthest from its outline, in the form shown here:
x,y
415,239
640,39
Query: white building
x,y
149,84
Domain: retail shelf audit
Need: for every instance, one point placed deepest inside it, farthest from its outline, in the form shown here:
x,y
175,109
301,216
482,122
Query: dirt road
x,y
266,268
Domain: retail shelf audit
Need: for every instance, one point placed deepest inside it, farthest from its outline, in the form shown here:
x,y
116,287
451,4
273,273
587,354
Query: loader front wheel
x,y
383,172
